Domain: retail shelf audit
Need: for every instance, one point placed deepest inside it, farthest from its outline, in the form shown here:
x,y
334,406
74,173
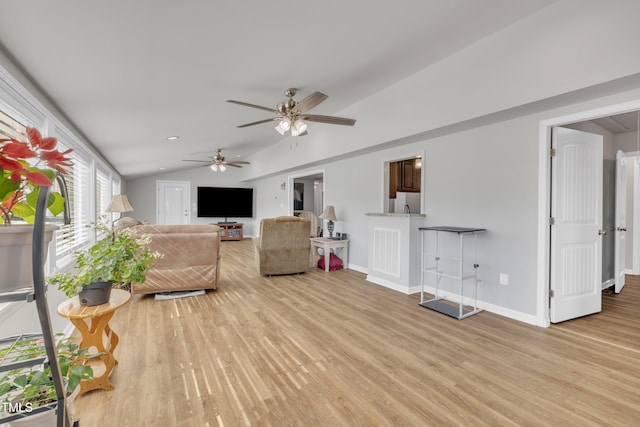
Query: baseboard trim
x,y
407,290
357,268
495,309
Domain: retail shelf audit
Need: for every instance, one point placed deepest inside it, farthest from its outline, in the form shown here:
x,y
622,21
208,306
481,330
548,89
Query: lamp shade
x,y
119,203
329,213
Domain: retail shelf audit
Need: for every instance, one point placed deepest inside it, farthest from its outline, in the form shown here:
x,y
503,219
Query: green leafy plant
x,y
121,257
22,175
30,387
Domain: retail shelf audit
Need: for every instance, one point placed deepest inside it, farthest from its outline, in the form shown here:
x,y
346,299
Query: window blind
x,y
103,195
11,128
72,237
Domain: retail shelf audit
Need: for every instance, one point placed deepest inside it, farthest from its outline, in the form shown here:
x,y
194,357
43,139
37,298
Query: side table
x,y
327,245
96,333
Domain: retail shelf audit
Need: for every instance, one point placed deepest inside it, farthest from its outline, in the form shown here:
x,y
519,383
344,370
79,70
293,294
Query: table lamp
x,y
119,204
329,213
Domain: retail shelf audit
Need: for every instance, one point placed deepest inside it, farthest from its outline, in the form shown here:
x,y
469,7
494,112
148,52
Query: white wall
x,y
141,192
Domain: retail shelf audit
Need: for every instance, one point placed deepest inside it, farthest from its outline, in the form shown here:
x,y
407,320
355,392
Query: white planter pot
x,y
16,256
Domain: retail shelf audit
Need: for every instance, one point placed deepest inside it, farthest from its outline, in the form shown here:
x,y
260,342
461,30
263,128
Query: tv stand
x,y
230,231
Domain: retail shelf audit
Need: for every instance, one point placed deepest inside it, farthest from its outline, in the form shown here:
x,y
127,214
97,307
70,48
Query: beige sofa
x,y
191,258
283,245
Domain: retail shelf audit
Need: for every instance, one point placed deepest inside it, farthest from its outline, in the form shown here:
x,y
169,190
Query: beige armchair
x,y
283,245
315,228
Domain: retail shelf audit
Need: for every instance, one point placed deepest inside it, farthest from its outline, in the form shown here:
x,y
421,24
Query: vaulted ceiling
x,y
130,74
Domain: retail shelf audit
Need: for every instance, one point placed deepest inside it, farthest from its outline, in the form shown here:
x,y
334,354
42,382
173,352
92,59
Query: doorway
x,y
616,125
306,193
173,202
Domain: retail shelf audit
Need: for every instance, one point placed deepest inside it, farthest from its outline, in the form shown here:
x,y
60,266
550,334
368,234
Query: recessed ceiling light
x,y
162,169
173,138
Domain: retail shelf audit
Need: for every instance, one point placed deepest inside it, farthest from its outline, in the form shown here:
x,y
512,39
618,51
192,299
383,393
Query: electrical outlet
x,y
504,279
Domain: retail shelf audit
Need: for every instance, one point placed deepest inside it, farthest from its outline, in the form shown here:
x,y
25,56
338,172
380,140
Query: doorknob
x,y
621,229
602,232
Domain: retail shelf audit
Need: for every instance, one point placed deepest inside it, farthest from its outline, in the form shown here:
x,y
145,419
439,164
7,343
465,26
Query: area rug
x,y
178,294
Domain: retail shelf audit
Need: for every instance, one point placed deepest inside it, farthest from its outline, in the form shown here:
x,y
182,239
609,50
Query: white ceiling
x,y
621,123
129,73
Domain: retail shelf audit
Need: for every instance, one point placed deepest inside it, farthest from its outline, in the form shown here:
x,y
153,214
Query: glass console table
x,y
449,267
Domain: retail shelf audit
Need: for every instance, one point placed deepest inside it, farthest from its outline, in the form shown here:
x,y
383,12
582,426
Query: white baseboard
x,y
357,268
495,309
388,284
512,314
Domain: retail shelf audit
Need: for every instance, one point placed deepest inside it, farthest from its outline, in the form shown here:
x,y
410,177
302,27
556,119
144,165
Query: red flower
x,y
56,159
34,137
48,143
10,164
17,150
38,178
20,162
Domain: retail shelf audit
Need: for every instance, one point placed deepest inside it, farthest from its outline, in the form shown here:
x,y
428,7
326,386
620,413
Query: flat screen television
x,y
225,202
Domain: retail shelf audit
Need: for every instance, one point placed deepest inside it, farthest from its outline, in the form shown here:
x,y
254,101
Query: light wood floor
x,y
330,349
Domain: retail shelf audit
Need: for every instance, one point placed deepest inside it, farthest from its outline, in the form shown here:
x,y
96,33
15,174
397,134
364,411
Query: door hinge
x,y
552,152
551,293
552,221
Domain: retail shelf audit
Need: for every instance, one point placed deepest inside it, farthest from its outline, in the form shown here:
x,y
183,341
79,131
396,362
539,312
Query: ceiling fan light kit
x,y
291,115
219,164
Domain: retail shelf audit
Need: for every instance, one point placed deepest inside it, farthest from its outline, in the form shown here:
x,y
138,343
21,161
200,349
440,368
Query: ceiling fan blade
x,y
329,119
246,104
259,121
199,161
231,164
238,162
310,101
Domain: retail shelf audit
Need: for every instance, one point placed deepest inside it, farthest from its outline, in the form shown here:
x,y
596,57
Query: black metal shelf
x,y
38,293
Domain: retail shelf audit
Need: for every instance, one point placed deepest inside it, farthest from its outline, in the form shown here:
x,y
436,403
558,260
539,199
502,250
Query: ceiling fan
x,y
291,115
218,162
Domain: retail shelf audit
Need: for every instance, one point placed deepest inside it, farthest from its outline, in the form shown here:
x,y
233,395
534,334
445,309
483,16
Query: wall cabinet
x,y
405,176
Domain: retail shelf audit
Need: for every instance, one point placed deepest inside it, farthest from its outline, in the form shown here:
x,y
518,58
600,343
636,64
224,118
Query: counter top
x,y
397,215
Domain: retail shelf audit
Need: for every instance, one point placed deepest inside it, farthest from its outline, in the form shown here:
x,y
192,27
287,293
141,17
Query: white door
x,y
174,198
576,237
621,221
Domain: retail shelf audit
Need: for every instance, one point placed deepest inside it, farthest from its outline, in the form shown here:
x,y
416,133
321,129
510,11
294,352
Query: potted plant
x,y
24,168
116,260
25,388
